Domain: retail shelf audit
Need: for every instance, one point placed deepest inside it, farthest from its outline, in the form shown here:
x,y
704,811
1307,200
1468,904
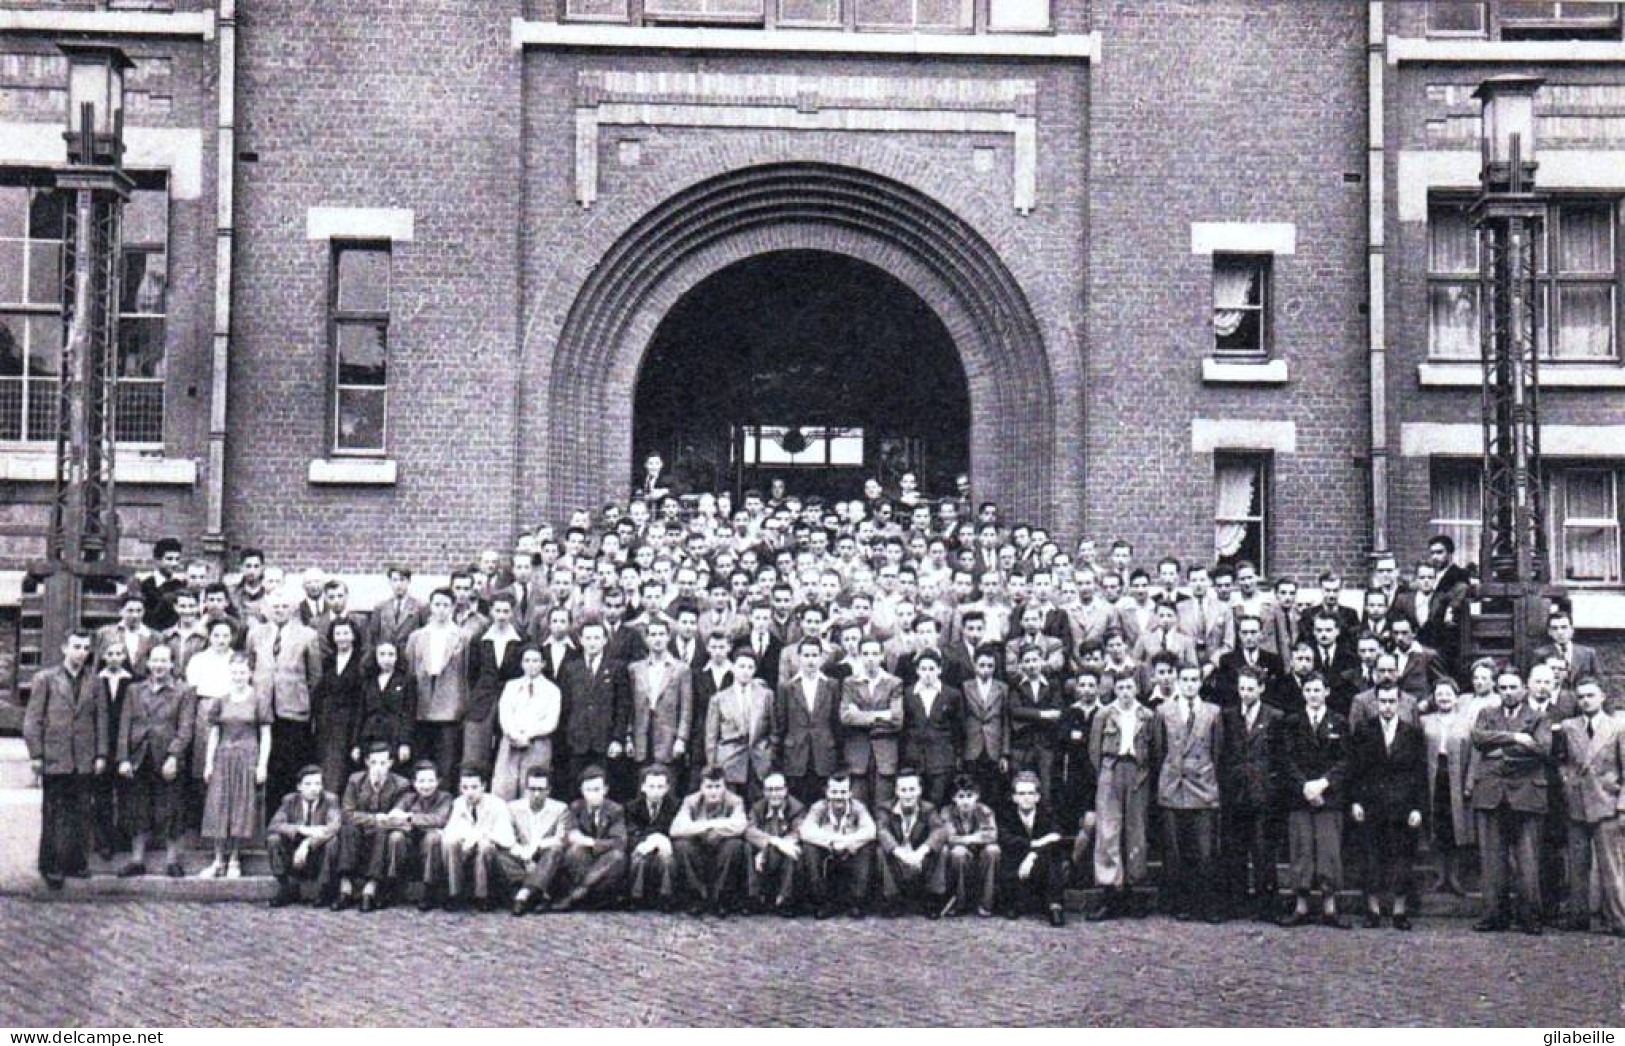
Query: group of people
x,y
807,706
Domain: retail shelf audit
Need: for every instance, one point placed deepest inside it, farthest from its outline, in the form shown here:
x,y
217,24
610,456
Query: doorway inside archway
x,y
810,366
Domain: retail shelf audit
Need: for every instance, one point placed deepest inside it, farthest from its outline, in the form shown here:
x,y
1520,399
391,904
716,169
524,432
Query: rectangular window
x,y
1584,508
1580,289
1017,16
1557,20
815,447
360,333
31,230
1241,305
143,294
748,11
1240,507
1455,509
809,12
1455,18
1453,310
938,15
596,11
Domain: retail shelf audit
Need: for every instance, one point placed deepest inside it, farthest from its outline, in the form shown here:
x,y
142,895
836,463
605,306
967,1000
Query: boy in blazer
x,y
1032,859
301,839
154,734
66,731
596,704
437,657
653,877
480,828
1314,772
1248,797
775,849
662,701
1123,749
969,835
738,730
986,752
396,618
369,796
1190,735
1388,790
871,717
805,725
933,725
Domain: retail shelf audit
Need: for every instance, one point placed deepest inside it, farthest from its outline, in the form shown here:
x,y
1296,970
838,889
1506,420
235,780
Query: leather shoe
x,y
174,870
1057,916
1334,921
1402,921
343,901
1296,919
132,870
1101,912
1532,928
1371,921
427,902
283,898
1491,924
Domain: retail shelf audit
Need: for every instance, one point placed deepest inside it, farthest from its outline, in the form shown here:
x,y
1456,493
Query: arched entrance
x,y
807,365
1015,436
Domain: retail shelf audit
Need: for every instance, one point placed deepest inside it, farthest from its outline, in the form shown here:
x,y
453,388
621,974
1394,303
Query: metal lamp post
x,y
83,539
1510,217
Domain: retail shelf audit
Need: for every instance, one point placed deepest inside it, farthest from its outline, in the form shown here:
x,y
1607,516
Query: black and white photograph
x,y
765,514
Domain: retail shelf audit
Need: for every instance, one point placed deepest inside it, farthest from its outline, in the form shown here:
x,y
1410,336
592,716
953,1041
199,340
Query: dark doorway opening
x,y
807,365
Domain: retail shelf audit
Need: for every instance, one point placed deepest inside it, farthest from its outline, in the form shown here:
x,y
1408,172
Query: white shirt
x,y
1128,724
529,707
809,693
501,640
341,660
928,697
440,639
1389,726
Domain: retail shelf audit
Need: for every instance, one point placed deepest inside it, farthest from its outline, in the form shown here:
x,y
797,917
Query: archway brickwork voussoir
x,y
591,374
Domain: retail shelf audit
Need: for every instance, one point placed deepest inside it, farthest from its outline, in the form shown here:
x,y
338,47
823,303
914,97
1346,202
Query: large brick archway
x,y
1015,439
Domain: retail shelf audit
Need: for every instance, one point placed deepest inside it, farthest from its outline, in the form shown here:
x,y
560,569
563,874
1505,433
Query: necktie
x,y
276,644
310,813
1190,712
1591,729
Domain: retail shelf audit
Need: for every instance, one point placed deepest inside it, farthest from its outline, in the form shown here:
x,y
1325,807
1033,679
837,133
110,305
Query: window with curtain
x,y
809,12
1455,18
360,332
750,11
1240,500
1585,508
1453,311
31,230
1240,304
940,15
1582,276
596,11
1454,505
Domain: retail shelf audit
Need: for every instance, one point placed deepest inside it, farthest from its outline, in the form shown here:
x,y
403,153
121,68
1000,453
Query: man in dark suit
x,y
986,752
1417,668
1507,779
1035,720
301,839
413,837
1388,790
766,643
1248,798
1333,647
65,729
595,837
595,697
909,840
1249,653
1314,772
1331,605
622,642
493,661
969,836
369,796
557,645
710,679
933,727
1032,858
1581,659
154,735
653,877
805,724
396,618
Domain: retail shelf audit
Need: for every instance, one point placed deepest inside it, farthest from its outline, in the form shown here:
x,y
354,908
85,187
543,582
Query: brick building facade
x,y
1196,258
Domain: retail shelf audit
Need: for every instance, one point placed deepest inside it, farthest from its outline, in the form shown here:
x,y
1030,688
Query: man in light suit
x,y
805,725
1590,749
1507,780
872,719
65,729
662,701
437,657
286,658
481,828
1163,636
1122,747
739,730
986,752
1189,738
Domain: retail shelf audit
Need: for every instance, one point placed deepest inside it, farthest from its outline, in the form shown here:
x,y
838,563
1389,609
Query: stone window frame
x,y
340,318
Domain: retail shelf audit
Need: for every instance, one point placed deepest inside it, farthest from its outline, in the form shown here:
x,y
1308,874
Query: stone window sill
x,y
1232,372
128,469
1552,376
353,472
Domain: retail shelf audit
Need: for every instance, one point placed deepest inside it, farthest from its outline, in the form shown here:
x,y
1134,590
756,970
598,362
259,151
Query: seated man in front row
x,y
775,849
369,796
480,828
970,833
910,842
838,841
648,829
596,836
538,850
298,837
1034,861
414,828
708,836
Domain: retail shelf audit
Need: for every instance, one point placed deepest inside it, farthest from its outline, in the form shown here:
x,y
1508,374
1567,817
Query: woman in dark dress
x,y
338,703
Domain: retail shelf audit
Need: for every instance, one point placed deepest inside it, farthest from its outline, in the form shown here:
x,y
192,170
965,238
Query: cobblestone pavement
x,y
170,964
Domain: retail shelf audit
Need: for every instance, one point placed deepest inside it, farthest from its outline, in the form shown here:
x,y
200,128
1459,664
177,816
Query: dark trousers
x,y
1505,834
710,868
1554,855
470,861
1189,841
441,742
973,875
1390,849
831,875
148,803
292,747
414,853
935,786
808,787
653,874
319,865
536,876
108,814
775,879
1250,840
363,850
64,824
988,779
595,876
1043,887
479,741
871,788
899,881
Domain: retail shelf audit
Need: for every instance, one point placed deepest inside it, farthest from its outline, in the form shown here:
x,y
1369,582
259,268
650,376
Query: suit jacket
x,y
931,740
65,725
387,709
442,698
767,663
157,722
868,740
1389,782
550,669
1016,840
1582,660
926,829
738,733
1153,642
113,633
807,742
1308,754
426,814
766,823
1348,627
625,644
660,719
596,705
490,821
1248,759
1028,728
609,830
395,622
987,722
337,702
1222,683
641,822
290,817
1419,671
362,803
488,675
1280,631
1503,772
1364,709
1106,737
1592,767
286,674
980,822
1188,777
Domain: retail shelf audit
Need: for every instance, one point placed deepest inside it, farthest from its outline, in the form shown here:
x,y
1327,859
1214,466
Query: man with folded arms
x,y
369,796
910,842
596,837
837,840
538,849
970,834
772,836
414,832
708,838
648,827
480,828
